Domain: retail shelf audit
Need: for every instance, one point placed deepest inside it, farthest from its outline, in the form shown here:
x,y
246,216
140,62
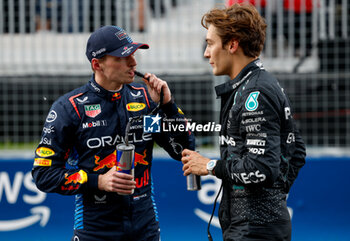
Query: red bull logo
x,y
116,96
144,180
109,161
78,177
140,158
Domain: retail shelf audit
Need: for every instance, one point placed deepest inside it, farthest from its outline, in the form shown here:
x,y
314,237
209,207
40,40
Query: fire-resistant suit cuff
x,y
92,181
219,170
169,108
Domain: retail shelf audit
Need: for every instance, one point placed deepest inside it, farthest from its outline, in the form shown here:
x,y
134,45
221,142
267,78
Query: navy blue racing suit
x,y
82,129
261,155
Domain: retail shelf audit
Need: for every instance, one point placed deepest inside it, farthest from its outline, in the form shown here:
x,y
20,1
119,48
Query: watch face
x,y
211,164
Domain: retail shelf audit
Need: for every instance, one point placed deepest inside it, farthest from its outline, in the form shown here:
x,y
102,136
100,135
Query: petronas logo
x,y
252,103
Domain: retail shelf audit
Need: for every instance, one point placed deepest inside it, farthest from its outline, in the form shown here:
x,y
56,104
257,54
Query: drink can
x,y
193,182
125,159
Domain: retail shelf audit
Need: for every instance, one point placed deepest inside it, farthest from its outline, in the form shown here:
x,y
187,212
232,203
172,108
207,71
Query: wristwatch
x,y
210,166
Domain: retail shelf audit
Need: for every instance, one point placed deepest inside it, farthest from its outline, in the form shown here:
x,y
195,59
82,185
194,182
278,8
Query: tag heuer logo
x,y
92,110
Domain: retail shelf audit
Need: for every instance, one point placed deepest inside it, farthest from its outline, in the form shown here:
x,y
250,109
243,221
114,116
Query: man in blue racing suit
x,y
83,128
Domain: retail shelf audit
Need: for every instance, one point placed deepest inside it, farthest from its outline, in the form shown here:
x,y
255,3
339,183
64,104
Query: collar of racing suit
x,y
231,85
109,95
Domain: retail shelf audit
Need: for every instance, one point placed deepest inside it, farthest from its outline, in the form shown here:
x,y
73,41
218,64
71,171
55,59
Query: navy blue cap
x,y
111,40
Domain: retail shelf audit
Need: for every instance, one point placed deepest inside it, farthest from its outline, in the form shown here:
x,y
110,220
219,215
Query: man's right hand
x,y
194,163
113,181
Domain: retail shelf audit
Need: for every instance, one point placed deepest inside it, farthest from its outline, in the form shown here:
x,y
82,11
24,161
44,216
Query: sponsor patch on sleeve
x,y
44,152
78,177
43,162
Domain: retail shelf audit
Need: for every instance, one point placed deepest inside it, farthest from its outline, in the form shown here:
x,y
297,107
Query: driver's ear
x,y
96,65
233,46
